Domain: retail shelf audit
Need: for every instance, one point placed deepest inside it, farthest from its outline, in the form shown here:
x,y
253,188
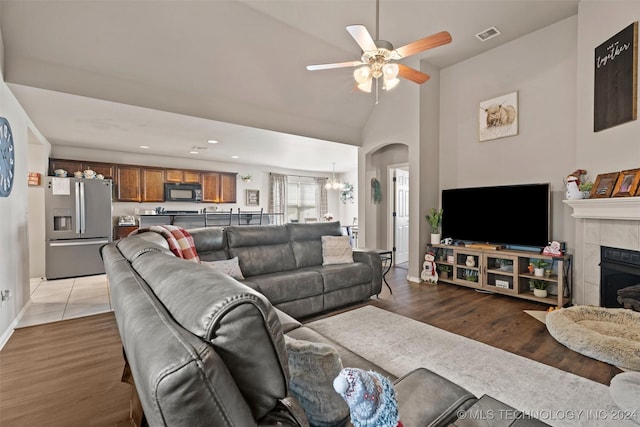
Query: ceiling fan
x,y
380,59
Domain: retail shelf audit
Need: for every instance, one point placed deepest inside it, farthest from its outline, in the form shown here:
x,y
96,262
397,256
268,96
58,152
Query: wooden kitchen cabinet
x,y
218,187
152,184
128,183
104,169
178,175
227,188
69,165
191,177
174,175
210,187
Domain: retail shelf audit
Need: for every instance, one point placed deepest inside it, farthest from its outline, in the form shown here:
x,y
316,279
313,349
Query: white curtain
x,y
321,197
278,197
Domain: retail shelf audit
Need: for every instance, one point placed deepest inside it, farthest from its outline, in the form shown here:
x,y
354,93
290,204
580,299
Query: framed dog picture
x,y
498,117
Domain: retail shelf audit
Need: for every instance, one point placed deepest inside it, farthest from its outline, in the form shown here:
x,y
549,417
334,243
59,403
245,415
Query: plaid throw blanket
x,y
179,240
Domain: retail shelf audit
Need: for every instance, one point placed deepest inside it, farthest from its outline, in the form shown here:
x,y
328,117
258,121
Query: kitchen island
x,y
194,219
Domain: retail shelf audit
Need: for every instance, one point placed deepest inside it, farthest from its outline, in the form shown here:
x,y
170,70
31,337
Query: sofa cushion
x,y
239,322
341,276
261,250
306,241
289,285
210,242
227,266
336,250
312,368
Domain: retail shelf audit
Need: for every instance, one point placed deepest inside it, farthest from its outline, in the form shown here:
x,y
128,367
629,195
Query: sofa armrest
x,y
372,259
428,399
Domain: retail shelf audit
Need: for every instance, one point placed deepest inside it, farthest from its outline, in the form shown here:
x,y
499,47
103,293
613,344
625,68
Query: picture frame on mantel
x,y
603,187
616,80
498,117
627,183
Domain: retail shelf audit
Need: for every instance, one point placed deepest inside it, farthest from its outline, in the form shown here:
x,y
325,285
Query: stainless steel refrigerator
x,y
78,224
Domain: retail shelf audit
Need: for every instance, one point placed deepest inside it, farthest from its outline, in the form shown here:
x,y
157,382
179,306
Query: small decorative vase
x,y
539,272
444,274
435,238
542,293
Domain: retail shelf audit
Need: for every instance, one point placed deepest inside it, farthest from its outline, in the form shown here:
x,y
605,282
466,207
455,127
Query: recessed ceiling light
x,y
144,146
212,141
487,34
193,152
235,157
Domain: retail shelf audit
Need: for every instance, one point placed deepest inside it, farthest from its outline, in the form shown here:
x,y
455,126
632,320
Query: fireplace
x,y
619,268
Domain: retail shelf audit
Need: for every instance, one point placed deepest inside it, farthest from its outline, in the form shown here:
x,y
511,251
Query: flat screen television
x,y
510,215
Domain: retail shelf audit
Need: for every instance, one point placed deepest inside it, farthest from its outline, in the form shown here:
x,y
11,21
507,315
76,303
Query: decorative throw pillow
x,y
336,250
227,266
312,368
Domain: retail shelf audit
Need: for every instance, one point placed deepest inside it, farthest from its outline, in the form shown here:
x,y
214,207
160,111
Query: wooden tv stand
x,y
504,271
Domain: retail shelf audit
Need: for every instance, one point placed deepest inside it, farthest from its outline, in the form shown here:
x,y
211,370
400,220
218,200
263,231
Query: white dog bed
x,y
610,335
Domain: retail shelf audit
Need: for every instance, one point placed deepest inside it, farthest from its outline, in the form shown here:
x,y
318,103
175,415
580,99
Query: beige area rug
x,y
538,315
399,344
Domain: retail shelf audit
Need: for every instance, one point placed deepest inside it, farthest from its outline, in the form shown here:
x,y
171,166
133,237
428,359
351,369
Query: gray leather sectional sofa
x,y
207,350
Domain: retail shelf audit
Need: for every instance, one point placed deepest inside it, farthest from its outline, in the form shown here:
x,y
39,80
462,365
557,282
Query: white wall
x,y
14,230
541,66
616,148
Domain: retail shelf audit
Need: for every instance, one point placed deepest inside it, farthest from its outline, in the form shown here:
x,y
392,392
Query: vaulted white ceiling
x,y
172,74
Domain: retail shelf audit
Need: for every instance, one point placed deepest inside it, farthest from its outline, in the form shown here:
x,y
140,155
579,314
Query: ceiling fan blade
x,y
362,37
334,65
412,74
429,42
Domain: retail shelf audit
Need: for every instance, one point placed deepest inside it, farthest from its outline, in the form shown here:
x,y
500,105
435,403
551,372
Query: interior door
x,y
401,210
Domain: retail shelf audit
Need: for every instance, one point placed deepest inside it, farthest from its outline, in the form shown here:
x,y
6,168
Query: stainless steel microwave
x,y
176,192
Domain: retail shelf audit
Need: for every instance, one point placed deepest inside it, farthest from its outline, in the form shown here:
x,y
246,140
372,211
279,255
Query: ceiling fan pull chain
x,y
377,91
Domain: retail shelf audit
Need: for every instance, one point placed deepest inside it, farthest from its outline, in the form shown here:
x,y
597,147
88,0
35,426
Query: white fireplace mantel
x,y
626,208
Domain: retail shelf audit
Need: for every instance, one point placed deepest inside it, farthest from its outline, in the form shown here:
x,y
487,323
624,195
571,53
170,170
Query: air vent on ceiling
x,y
487,34
198,148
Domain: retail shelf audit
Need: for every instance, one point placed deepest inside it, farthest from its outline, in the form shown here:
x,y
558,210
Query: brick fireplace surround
x,y
611,222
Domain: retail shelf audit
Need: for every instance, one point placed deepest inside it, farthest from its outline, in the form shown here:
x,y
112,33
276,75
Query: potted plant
x,y
444,271
538,267
539,287
434,218
586,187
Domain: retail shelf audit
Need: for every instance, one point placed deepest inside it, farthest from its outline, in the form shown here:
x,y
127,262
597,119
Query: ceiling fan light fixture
x,y
362,74
391,83
366,86
390,70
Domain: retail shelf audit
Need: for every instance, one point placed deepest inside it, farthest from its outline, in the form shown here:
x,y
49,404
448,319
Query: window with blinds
x,y
302,202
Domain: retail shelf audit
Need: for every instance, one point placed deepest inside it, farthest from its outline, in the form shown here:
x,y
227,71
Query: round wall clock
x,y
7,161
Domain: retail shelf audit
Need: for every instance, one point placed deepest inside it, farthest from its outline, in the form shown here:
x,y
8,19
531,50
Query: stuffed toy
x,y
429,273
371,398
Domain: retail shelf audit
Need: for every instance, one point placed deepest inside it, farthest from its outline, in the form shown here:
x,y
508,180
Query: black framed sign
x,y
616,80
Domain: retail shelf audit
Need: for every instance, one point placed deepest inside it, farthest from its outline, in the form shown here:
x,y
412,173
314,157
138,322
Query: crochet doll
x,y
370,396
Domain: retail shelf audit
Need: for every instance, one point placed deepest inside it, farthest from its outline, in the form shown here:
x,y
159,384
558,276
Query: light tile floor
x,y
53,300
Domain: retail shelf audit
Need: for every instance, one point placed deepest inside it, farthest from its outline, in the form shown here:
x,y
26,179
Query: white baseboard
x,y
414,279
9,331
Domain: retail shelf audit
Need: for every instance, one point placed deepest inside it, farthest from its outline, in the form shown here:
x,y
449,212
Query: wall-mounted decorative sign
x,y
616,80
498,117
253,197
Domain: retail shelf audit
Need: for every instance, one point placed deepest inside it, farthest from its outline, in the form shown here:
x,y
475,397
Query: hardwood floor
x,y
68,373
63,374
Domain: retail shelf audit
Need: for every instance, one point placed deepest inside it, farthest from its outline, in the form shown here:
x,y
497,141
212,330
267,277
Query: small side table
x,y
387,261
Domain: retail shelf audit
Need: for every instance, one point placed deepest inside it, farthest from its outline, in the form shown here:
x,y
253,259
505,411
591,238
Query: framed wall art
x,y
253,197
616,80
627,183
603,187
498,117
